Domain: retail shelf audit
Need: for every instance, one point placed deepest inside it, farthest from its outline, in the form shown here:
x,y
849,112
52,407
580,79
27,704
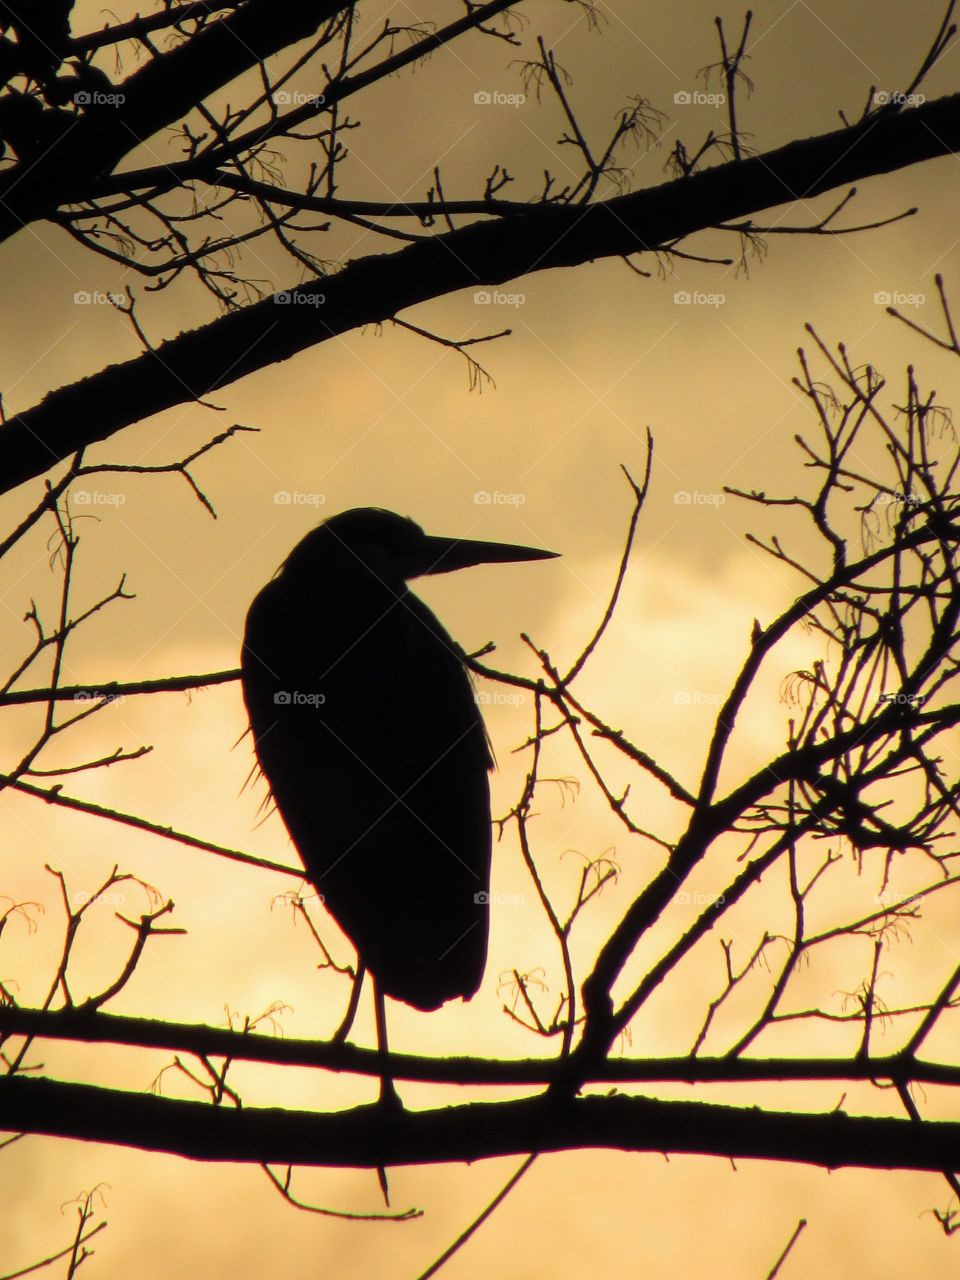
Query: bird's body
x,y
366,727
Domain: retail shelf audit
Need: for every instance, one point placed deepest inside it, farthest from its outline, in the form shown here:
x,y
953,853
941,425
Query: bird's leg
x,y
389,1098
388,1094
342,1031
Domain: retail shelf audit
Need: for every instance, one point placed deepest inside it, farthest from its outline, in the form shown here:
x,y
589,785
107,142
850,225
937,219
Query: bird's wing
x,y
368,731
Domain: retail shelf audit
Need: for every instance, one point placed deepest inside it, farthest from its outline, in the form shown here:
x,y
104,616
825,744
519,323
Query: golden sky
x,y
384,418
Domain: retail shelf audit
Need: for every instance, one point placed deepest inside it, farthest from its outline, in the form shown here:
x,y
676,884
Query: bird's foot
x,y
389,1099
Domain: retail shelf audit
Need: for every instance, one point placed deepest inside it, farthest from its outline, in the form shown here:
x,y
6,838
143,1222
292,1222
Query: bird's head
x,y
394,548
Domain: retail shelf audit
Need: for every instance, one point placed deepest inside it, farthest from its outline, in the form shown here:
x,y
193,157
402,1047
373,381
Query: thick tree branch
x,y
371,1137
373,289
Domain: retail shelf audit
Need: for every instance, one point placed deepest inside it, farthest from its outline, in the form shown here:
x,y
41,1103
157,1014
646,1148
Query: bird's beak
x,y
443,555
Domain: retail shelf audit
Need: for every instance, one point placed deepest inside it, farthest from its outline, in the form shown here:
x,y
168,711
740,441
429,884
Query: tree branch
x,y
83,1026
160,93
376,288
371,1137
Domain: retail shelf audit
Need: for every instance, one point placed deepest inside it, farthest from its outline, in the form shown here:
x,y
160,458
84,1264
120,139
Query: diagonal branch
x,y
160,93
374,289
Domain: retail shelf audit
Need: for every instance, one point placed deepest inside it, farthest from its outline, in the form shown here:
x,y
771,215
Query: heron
x,y
367,730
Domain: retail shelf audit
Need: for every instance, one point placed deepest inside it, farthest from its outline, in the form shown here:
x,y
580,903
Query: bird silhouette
x,y
366,727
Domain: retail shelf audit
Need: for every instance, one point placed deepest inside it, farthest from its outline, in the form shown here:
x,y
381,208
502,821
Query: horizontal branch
x,y
146,1033
374,1136
114,689
378,287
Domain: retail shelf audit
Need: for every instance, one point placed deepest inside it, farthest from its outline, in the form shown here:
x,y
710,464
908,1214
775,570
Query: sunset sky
x,y
701,354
